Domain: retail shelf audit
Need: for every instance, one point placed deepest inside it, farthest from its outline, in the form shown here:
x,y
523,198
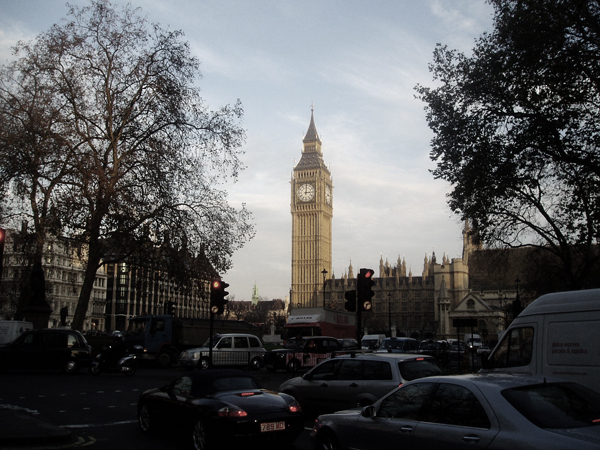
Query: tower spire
x,y
311,133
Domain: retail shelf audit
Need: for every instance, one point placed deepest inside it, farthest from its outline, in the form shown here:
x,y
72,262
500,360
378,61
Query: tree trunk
x,y
94,258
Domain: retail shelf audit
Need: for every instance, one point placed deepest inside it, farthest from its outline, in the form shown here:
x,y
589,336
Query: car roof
x,y
52,330
307,338
496,381
399,339
235,335
400,356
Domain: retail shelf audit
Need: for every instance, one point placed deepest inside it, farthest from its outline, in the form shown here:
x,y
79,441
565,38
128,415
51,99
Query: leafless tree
x,y
134,153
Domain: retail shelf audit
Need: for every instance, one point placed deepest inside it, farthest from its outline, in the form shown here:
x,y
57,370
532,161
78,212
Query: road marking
x,y
94,425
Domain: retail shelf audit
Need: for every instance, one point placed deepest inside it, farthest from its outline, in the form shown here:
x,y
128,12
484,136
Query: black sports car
x,y
213,406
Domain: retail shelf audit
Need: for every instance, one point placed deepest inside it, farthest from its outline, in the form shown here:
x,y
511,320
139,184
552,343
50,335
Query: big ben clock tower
x,y
312,213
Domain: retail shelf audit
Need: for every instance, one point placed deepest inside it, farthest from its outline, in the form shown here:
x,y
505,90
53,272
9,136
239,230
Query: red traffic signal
x,y
217,296
364,287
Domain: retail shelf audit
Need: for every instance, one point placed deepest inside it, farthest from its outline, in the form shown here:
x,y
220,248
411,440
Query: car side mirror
x,y
307,376
369,412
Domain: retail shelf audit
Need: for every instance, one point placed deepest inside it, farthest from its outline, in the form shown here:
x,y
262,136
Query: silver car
x,y
349,381
481,411
232,349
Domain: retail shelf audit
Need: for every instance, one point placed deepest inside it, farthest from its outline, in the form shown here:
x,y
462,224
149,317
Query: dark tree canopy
x,y
517,130
121,150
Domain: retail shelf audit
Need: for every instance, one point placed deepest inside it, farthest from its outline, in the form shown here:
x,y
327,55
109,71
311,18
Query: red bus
x,y
320,322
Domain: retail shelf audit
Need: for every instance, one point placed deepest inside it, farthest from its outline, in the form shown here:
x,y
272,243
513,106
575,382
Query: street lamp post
x,y
324,272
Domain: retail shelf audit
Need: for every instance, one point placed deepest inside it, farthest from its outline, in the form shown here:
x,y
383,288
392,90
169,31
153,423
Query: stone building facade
x,y
425,306
64,270
120,290
134,290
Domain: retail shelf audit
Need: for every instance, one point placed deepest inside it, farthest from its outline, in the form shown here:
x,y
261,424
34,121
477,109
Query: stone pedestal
x,y
38,315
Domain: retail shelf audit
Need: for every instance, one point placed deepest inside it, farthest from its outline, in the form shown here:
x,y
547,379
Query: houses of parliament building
x,y
423,306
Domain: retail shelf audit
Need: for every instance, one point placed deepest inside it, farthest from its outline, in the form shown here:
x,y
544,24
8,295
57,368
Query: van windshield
x,y
515,349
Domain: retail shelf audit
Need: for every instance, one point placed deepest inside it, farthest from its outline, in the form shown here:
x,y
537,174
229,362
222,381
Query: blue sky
x,y
358,62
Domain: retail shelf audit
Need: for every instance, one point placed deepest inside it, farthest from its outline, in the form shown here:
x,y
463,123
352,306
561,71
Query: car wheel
x,y
164,360
95,369
255,364
293,366
199,435
71,366
327,440
204,364
129,369
144,418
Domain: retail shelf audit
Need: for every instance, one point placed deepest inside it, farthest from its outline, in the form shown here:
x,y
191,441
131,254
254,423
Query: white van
x,y
557,334
12,329
371,341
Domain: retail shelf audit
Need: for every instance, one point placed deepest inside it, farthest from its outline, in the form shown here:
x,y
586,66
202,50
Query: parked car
x,y
481,411
484,350
50,348
371,341
349,344
305,352
213,406
457,350
349,381
440,350
399,345
233,349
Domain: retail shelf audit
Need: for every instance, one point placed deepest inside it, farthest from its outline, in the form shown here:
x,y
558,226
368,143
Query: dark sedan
x,y
491,411
213,406
51,348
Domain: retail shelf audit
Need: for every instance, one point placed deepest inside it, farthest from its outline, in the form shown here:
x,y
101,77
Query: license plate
x,y
272,426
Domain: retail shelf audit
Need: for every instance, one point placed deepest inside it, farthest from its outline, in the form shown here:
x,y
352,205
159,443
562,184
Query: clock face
x,y
328,195
306,192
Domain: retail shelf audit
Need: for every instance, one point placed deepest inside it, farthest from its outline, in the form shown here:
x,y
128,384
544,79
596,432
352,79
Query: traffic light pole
x,y
358,325
210,339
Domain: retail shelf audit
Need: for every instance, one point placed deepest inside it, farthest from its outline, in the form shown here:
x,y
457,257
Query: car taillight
x,y
400,384
294,407
231,411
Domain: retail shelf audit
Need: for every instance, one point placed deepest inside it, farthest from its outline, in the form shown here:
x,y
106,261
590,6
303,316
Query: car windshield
x,y
391,344
293,343
429,345
419,368
556,405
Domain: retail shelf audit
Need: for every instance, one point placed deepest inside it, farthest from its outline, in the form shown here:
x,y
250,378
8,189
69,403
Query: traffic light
x,y
350,300
364,289
217,297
